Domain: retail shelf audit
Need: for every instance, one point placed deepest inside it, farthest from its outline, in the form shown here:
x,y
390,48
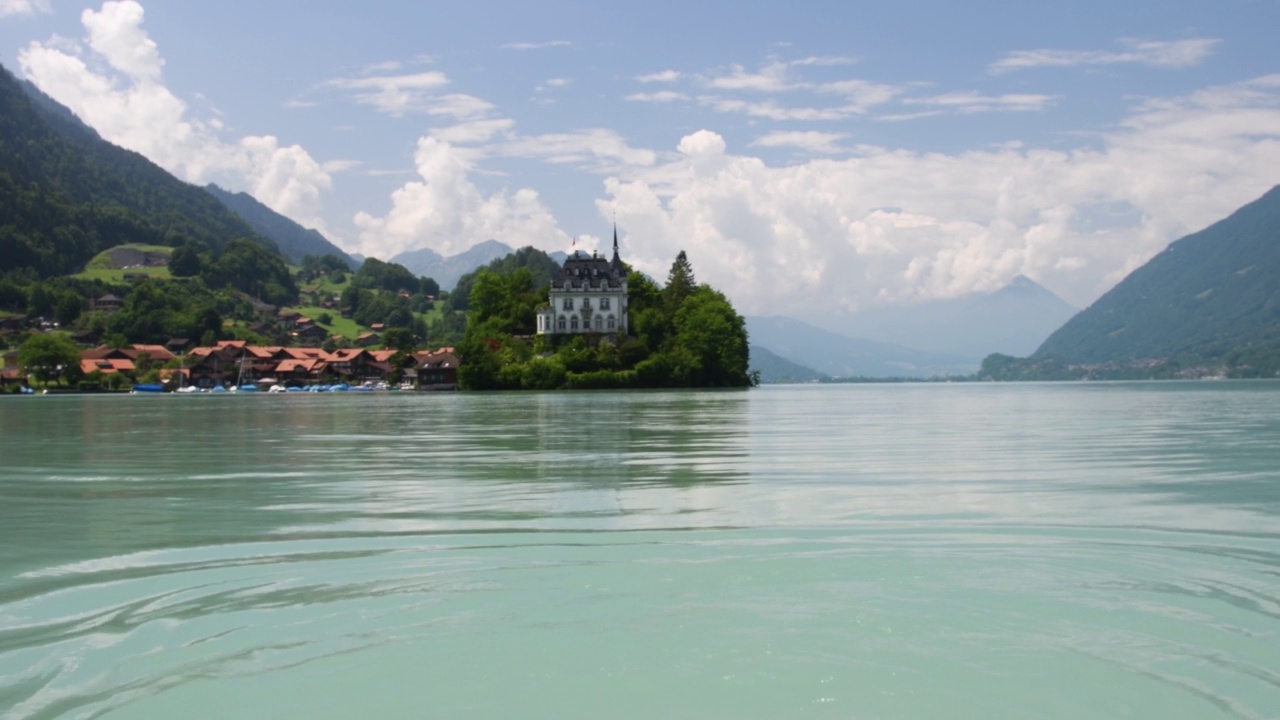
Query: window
x,y
599,323
604,303
586,303
604,284
560,323
573,323
568,303
613,323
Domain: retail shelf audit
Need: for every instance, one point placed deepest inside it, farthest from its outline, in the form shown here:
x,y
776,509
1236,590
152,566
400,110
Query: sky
x,y
810,157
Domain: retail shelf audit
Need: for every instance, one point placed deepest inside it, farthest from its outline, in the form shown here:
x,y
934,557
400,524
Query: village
x,y
235,365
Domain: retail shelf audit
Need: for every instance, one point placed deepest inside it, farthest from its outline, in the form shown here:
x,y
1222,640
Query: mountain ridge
x,y
1207,294
842,356
1014,320
67,194
293,240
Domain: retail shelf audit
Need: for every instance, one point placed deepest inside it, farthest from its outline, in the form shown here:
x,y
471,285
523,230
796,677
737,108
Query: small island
x,y
600,324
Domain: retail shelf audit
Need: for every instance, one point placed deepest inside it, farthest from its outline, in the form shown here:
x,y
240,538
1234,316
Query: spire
x,y
616,259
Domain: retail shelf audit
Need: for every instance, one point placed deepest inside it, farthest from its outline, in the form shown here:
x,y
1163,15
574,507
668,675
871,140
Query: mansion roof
x,y
590,272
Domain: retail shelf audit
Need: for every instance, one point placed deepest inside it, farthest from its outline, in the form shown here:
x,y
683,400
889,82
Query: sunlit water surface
x,y
912,551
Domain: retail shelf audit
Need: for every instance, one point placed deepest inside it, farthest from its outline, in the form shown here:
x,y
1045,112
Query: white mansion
x,y
588,295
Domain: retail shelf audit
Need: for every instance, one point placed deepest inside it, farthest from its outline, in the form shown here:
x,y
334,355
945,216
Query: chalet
x,y
311,334
178,345
437,370
350,364
588,295
14,323
367,339
10,371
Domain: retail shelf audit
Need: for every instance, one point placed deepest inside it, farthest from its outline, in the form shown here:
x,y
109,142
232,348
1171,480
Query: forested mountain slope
x,y
66,194
1210,293
294,241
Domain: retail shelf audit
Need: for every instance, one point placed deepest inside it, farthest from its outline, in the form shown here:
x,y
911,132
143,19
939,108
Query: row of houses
x,y
235,362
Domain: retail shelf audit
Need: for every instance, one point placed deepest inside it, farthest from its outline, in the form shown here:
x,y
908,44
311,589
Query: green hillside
x,y
66,194
1212,294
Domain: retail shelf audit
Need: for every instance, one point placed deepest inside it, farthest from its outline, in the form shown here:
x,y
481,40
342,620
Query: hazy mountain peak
x,y
444,270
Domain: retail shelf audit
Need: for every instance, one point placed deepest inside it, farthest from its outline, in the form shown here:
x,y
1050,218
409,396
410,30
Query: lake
x,y
1089,550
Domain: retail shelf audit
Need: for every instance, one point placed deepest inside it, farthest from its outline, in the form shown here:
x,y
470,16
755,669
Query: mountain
x,y
774,368
843,356
1013,320
293,240
446,270
66,194
1207,294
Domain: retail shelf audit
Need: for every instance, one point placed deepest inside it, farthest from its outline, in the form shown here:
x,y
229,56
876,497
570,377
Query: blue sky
x,y
811,157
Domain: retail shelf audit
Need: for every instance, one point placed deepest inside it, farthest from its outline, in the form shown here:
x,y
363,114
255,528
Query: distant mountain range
x,y
293,240
1209,294
447,270
1013,320
938,338
843,356
774,368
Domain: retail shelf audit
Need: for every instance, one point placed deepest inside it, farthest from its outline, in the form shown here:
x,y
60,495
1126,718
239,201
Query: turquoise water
x,y
912,551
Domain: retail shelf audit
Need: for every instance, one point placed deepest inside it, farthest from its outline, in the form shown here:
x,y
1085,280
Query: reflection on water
x,y
899,551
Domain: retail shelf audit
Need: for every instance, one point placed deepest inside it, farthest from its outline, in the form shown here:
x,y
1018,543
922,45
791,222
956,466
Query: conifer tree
x,y
680,283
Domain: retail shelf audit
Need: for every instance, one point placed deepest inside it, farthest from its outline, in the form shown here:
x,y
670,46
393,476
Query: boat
x,y
148,388
240,385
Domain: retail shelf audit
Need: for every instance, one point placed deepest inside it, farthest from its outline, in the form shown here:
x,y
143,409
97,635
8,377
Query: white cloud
x,y
341,166
382,67
664,76
129,105
972,102
861,94
1154,53
116,34
662,96
825,60
445,211
474,131
772,77
394,94
891,226
773,111
595,148
537,46
23,7
810,140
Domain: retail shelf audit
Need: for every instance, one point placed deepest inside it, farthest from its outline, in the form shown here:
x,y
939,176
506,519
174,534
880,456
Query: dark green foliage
x,y
680,283
399,339
186,261
540,265
252,269
65,194
155,311
377,275
687,337
50,357
1210,294
710,344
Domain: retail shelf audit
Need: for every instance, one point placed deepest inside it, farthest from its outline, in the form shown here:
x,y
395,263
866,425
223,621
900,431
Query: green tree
x,y
185,261
680,283
50,357
710,344
399,339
